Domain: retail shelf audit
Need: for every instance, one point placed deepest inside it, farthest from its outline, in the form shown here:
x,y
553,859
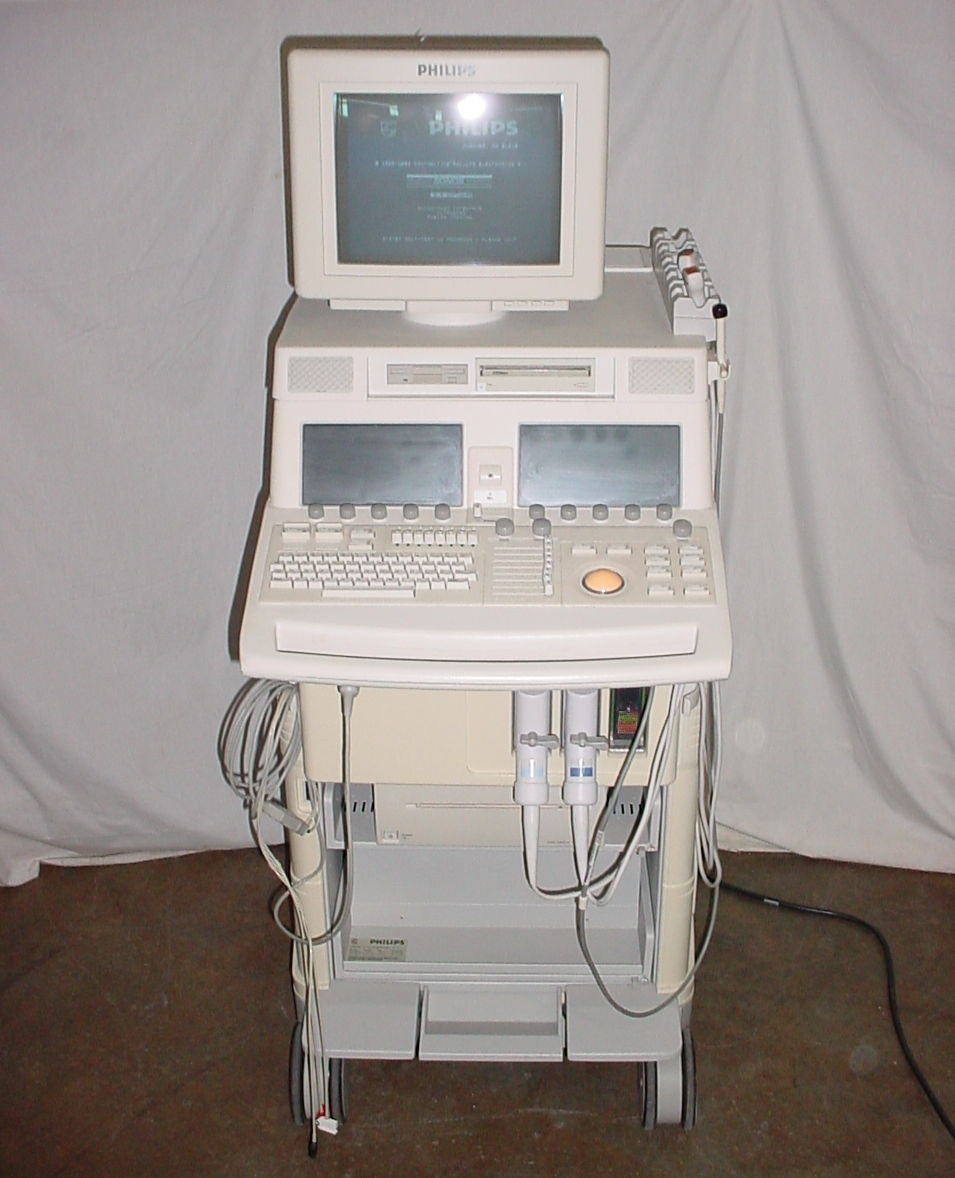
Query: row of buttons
x,y
600,512
542,528
658,568
435,538
567,512
378,511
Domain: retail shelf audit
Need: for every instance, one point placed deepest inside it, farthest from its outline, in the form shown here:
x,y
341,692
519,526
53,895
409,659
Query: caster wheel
x,y
338,1090
296,1076
668,1088
648,1095
688,1119
336,1080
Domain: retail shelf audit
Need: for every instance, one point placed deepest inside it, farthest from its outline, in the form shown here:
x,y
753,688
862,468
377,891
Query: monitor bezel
x,y
576,69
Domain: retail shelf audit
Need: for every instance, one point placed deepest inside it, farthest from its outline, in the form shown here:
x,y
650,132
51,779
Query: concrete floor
x,y
145,1012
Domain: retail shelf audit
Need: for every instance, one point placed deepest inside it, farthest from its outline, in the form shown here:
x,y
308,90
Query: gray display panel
x,y
448,179
382,464
612,464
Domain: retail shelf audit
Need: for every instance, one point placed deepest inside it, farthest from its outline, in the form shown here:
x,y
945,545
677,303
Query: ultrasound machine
x,y
487,610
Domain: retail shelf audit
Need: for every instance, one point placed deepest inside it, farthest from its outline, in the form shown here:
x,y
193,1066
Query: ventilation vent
x,y
625,814
321,374
660,377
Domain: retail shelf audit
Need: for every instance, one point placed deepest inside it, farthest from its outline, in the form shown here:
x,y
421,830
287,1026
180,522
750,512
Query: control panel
x,y
525,503
592,555
433,596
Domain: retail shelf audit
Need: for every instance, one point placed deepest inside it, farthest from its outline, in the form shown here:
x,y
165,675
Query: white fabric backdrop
x,y
142,267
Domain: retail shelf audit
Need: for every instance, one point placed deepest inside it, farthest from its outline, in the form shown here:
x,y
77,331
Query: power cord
x,y
848,918
260,742
580,926
707,853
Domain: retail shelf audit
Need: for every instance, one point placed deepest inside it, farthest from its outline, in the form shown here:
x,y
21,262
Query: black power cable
x,y
910,1059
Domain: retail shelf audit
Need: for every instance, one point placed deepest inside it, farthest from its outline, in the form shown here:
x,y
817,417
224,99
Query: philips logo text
x,y
436,70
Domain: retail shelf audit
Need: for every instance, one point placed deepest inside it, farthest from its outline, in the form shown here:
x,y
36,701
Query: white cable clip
x,y
582,740
536,740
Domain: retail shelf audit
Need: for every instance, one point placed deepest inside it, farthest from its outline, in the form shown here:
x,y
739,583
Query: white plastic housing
x,y
575,69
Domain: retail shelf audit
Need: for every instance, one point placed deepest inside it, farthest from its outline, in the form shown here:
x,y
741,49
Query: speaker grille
x,y
660,377
321,374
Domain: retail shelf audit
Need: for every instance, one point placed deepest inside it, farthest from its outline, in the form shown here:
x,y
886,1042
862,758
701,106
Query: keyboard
x,y
340,565
476,565
488,602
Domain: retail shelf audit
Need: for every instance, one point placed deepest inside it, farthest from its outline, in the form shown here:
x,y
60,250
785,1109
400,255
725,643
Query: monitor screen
x,y
459,179
447,171
587,464
392,464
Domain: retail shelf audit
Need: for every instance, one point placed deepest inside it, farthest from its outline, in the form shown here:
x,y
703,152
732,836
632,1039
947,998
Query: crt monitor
x,y
452,174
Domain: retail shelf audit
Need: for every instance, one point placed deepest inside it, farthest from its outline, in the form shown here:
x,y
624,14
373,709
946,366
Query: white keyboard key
x,y
367,594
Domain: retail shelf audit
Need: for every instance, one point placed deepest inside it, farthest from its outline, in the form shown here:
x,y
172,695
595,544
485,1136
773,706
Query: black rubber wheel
x,y
296,1075
689,1080
648,1095
338,1090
